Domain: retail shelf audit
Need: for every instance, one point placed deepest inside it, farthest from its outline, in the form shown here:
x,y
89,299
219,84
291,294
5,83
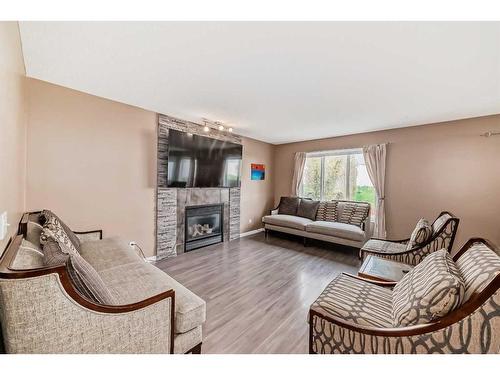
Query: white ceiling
x,y
279,81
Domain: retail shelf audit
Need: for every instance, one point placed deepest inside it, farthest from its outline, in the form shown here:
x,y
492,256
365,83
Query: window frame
x,y
322,155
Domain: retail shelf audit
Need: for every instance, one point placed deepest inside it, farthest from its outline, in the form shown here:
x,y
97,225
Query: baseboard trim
x,y
251,232
151,259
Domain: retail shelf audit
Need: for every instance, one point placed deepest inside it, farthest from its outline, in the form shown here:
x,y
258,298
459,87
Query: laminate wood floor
x,y
258,291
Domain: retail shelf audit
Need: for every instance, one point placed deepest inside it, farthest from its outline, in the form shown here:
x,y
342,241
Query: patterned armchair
x,y
444,229
355,315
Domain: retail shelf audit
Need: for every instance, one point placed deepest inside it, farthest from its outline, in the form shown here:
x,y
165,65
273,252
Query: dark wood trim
x,y
195,349
474,302
91,231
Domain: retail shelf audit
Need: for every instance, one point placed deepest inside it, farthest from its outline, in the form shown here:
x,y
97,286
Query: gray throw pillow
x,y
83,276
308,208
420,235
288,205
429,291
46,214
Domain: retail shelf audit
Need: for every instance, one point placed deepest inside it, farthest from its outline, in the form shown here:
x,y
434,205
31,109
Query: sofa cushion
x,y
83,276
354,213
327,211
420,235
46,214
308,208
28,256
429,291
108,253
288,205
289,221
137,281
341,230
356,301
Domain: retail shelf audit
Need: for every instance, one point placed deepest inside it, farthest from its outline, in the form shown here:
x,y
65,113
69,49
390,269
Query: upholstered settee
x,y
355,315
42,311
337,221
443,231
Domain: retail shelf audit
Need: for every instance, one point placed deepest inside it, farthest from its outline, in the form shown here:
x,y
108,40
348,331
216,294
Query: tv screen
x,y
197,161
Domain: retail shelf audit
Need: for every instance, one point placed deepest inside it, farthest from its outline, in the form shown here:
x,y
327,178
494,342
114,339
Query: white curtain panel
x,y
375,164
298,172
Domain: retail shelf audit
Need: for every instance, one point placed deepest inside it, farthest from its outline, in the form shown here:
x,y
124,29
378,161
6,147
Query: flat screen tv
x,y
197,161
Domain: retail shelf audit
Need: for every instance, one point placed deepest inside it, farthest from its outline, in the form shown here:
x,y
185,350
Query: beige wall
x,y
93,161
12,127
256,196
430,168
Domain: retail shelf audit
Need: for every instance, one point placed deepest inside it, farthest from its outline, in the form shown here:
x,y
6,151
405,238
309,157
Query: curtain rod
x,y
346,150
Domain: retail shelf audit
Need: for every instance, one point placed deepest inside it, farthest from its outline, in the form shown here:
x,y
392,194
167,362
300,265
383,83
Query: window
x,y
337,175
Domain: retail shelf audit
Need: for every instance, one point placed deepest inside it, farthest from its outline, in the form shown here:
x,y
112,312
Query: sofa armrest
x,y
274,212
143,327
91,235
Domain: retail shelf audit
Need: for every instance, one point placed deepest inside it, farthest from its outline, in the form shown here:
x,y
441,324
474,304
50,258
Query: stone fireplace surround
x,y
171,202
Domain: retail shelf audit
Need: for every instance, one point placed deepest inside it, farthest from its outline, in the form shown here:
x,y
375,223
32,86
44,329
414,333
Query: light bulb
x,y
206,129
221,128
230,130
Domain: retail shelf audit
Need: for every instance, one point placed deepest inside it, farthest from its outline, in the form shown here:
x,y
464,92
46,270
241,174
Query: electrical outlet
x,y
3,225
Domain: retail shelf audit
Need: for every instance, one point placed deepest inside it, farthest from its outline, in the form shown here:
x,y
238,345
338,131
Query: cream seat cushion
x,y
134,282
289,221
132,279
356,301
335,229
109,252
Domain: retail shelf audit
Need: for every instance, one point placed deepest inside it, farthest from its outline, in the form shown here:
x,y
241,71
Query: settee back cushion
x,y
288,205
47,214
429,291
33,233
354,213
420,235
327,211
28,256
308,208
479,265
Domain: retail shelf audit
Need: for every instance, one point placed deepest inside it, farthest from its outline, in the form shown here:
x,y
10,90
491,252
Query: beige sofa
x,y
42,312
337,221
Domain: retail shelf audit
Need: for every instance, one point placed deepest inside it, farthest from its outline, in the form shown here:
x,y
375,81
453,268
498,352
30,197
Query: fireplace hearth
x,y
203,226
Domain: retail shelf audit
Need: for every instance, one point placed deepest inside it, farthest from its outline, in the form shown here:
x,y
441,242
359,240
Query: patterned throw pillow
x,y
288,206
84,277
53,229
353,213
429,291
420,235
46,214
308,208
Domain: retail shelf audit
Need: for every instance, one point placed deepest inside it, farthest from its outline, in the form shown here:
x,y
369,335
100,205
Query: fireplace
x,y
203,226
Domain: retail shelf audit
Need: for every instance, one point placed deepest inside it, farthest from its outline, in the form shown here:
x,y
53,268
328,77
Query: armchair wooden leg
x,y
195,349
305,241
266,233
